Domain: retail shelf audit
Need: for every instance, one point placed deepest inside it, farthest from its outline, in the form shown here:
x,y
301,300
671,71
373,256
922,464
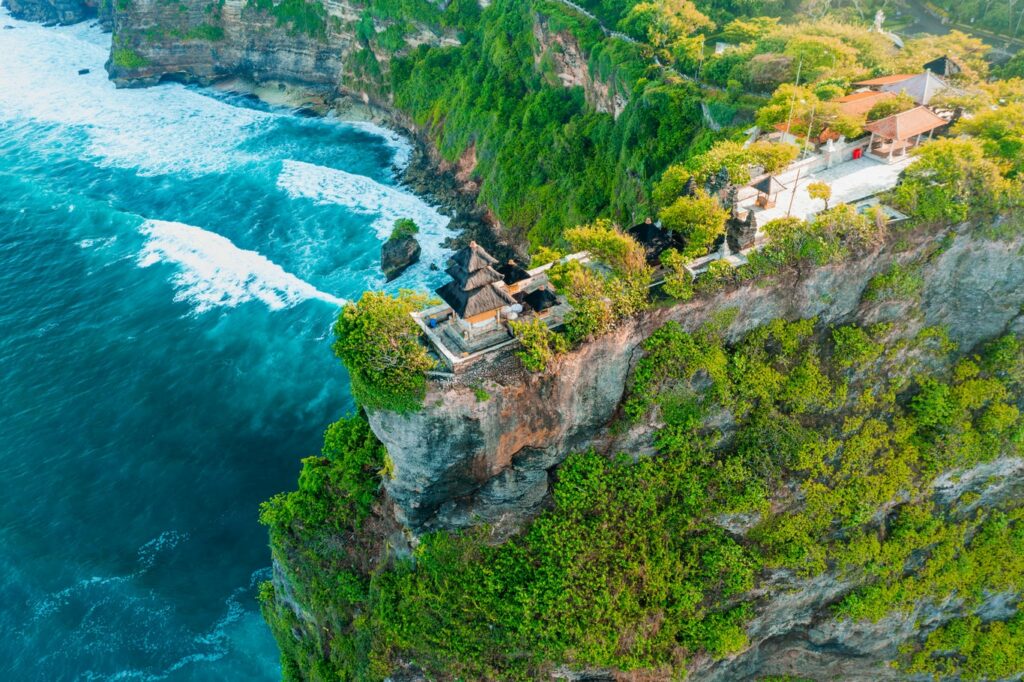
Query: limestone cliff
x,y
560,56
205,41
57,11
461,460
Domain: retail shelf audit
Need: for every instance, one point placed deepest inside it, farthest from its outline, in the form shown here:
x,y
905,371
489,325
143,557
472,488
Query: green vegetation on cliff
x,y
836,437
319,540
379,344
546,157
301,16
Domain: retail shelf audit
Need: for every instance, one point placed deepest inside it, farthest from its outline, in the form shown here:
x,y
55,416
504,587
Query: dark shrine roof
x,y
944,66
541,299
473,257
768,185
469,303
512,272
474,288
472,280
654,239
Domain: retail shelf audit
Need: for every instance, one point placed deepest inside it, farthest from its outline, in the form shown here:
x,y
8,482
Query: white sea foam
x,y
155,130
97,242
399,143
214,272
169,129
146,555
365,196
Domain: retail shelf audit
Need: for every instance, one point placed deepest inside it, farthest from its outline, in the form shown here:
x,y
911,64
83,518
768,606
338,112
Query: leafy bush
x,y
898,282
404,228
302,16
700,220
539,344
950,180
336,489
854,346
591,312
602,294
678,280
1001,132
380,345
127,58
891,105
608,245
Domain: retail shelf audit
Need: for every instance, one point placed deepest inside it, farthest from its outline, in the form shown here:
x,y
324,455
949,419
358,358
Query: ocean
x,y
171,262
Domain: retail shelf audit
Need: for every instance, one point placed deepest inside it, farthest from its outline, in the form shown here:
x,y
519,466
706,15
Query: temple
x,y
477,292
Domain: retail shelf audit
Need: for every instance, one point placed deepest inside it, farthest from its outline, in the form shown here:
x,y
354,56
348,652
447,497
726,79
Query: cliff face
x,y
796,633
56,11
560,56
201,42
461,461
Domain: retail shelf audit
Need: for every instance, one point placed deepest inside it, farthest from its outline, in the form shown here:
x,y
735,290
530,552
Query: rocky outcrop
x,y
396,255
53,11
795,630
202,42
560,57
460,461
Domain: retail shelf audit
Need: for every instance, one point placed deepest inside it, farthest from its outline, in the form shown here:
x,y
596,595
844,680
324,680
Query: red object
x,y
858,152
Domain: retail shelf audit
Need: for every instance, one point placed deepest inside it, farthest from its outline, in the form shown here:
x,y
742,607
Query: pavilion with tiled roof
x,y
922,87
858,104
893,136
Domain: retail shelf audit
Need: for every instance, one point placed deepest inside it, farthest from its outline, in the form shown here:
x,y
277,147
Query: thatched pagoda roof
x,y
472,280
476,287
469,303
473,257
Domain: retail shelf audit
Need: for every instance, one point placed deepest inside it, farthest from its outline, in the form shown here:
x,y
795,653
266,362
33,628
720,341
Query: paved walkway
x,y
850,181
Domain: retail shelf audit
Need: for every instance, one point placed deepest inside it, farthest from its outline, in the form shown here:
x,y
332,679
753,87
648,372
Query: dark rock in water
x,y
433,267
82,72
398,254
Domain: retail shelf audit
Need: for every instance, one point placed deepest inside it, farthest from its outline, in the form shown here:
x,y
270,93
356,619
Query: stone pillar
x,y
741,232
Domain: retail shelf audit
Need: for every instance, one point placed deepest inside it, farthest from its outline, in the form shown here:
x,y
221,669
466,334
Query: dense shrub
x,y
404,228
539,344
699,220
951,179
380,345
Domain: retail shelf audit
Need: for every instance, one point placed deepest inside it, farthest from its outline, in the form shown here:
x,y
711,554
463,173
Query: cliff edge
x,y
462,460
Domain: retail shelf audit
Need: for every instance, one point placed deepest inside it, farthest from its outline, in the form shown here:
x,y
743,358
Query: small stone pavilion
x,y
477,293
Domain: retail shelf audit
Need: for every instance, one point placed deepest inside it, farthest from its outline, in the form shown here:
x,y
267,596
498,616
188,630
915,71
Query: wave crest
x,y
213,272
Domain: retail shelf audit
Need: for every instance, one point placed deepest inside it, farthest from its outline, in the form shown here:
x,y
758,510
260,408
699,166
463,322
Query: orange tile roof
x,y
907,124
886,80
860,103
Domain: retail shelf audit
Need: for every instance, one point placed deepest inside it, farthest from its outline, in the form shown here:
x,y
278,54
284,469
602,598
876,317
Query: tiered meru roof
x,y
475,287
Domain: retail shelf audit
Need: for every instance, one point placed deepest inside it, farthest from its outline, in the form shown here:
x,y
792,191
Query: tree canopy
x,y
379,344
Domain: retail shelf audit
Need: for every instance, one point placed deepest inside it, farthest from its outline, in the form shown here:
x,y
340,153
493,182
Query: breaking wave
x,y
364,196
216,273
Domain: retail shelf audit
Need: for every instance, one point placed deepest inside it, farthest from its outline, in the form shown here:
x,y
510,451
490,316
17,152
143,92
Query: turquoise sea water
x,y
170,265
